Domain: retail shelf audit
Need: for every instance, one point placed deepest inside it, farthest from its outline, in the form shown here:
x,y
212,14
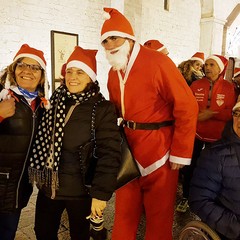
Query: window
x,y
166,5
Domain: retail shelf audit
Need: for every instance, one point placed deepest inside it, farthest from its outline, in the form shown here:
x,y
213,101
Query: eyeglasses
x,y
34,68
236,113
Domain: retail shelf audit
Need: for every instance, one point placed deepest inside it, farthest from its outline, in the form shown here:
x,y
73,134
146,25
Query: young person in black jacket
x,y
22,97
62,151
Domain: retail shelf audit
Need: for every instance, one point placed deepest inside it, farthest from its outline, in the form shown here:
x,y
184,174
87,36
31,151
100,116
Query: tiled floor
x,y
26,232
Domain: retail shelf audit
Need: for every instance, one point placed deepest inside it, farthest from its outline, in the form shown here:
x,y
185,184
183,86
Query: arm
x,y
206,187
7,108
108,153
174,90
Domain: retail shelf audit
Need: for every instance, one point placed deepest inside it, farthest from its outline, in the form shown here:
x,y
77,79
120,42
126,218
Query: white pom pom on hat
x,y
106,15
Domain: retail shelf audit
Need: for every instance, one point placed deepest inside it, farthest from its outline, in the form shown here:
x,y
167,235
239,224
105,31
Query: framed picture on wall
x,y
62,45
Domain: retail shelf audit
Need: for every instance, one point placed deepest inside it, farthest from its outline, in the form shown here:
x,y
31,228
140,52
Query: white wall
x,y
30,21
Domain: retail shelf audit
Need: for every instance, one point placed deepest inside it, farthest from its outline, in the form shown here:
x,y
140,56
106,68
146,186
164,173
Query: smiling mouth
x,y
26,78
74,84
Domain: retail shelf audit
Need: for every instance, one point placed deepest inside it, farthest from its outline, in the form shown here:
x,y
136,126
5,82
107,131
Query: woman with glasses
x,y
215,189
23,87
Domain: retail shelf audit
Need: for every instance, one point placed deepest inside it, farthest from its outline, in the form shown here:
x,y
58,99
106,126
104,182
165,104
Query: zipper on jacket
x,y
6,174
25,161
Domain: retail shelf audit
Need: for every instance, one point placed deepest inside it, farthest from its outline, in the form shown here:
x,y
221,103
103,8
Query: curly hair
x,y
189,73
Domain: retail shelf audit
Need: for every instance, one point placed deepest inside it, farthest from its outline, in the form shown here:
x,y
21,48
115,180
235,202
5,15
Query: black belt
x,y
146,126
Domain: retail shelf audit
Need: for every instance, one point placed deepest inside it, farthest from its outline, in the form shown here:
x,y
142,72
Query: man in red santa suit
x,y
159,113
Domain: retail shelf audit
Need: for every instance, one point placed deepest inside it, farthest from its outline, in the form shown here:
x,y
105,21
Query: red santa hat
x,y
27,51
63,70
220,60
154,44
84,59
198,56
116,25
236,72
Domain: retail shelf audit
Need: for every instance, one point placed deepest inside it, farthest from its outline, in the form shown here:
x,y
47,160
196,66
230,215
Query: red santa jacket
x,y
155,91
223,98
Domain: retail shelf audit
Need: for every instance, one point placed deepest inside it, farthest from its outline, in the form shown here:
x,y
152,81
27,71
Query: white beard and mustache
x,y
119,59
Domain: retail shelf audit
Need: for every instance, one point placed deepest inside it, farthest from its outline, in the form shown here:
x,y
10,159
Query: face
x,y
211,69
113,42
197,65
28,74
76,80
236,121
117,52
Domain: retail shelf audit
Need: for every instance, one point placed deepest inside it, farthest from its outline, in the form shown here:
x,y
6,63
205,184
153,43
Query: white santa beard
x,y
119,59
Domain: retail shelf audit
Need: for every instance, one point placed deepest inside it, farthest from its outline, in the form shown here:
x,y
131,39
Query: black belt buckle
x,y
131,124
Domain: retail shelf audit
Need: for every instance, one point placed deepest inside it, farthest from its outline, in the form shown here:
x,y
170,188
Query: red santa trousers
x,y
155,193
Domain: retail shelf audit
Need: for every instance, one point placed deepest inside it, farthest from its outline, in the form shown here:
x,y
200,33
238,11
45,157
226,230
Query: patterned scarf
x,y
28,94
46,151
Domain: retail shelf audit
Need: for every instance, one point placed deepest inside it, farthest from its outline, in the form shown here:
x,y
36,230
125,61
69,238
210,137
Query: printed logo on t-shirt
x,y
220,99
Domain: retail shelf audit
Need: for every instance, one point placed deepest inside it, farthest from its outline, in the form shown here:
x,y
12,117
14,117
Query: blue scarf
x,y
27,94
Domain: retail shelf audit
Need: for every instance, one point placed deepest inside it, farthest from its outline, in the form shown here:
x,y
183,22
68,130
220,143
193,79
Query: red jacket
x,y
223,98
155,91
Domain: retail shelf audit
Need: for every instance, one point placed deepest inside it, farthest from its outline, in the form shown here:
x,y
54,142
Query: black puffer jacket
x,y
77,133
16,134
215,187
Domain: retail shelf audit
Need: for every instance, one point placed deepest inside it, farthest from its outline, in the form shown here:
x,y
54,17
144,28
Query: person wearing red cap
x,y
156,45
216,98
80,124
191,69
22,96
159,114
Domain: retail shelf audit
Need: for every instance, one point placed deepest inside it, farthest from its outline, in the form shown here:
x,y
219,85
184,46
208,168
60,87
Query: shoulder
x,y
101,103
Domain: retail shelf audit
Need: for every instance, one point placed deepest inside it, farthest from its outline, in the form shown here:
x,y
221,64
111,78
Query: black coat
x,y
77,133
215,186
16,134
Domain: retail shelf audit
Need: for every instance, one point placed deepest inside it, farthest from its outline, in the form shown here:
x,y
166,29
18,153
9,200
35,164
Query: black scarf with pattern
x,y
46,150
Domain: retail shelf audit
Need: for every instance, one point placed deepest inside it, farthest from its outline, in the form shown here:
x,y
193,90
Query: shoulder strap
x,y
93,120
70,113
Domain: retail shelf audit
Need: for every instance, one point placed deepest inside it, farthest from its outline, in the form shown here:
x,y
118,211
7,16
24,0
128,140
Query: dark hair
x,y
92,86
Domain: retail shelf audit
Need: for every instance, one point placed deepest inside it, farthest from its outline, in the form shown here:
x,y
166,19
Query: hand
x,y
176,166
97,207
7,108
206,114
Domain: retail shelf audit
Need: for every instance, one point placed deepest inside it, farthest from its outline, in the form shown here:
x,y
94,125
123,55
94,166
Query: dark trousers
x,y
187,171
8,225
48,217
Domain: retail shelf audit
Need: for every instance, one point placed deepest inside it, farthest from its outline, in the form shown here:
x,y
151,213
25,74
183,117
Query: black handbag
x,y
128,170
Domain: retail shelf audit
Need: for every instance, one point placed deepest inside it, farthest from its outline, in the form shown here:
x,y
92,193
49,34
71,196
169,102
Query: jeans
x,y
8,225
